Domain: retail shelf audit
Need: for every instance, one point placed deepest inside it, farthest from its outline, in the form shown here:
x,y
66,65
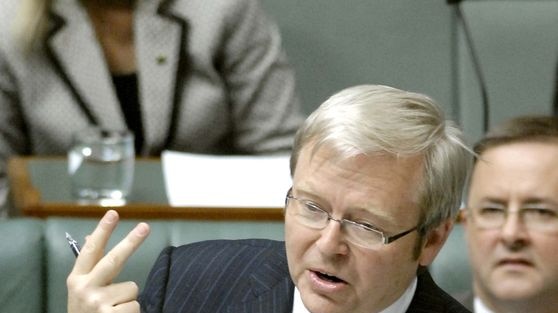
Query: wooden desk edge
x,y
28,201
27,196
146,211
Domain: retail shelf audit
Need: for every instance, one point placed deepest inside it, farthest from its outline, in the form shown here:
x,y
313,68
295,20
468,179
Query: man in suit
x,y
377,178
511,218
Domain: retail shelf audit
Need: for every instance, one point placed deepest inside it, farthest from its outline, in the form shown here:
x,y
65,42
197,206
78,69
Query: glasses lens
x,y
308,213
363,236
541,219
489,217
536,219
311,215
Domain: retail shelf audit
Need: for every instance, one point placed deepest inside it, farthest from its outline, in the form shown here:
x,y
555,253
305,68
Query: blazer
x,y
247,276
212,78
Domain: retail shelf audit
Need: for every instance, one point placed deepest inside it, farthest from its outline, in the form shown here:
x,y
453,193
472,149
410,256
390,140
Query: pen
x,y
73,244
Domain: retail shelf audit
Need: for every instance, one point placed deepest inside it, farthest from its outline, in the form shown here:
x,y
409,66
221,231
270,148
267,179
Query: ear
x,y
434,241
462,217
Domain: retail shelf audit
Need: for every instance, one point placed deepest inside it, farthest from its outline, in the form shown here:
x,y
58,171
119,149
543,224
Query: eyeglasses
x,y
535,218
362,234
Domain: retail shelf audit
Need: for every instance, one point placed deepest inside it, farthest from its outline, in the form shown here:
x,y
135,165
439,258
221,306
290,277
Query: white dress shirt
x,y
399,306
480,307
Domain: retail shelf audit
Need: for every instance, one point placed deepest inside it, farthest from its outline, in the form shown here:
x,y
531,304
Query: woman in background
x,y
187,75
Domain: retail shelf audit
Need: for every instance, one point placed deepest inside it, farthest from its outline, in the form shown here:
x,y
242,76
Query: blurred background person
x,y
196,76
511,219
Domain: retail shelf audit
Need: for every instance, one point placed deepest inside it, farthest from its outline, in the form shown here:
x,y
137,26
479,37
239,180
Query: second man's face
x,y
517,260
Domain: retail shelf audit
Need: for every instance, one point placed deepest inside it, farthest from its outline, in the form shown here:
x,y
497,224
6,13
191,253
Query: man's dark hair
x,y
520,129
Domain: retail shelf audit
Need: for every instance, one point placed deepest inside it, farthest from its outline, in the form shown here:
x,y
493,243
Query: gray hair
x,y
371,119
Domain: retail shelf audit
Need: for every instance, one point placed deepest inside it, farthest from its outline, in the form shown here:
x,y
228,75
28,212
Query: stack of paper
x,y
194,180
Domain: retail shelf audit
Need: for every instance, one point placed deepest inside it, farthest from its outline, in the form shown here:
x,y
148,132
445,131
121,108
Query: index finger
x,y
94,246
112,263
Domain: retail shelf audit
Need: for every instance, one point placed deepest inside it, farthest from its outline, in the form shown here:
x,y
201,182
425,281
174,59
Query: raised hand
x,y
90,287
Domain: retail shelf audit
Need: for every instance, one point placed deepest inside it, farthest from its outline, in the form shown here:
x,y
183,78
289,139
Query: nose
x,y
332,241
514,231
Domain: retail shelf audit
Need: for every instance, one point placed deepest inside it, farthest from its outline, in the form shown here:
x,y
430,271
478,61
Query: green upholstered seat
x,y
35,258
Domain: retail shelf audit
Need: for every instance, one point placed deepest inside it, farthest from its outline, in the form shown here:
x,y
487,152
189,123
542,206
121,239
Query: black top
x,y
127,91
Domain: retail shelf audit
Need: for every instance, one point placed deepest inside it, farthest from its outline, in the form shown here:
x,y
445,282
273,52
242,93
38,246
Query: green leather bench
x,y
35,258
517,47
418,45
334,44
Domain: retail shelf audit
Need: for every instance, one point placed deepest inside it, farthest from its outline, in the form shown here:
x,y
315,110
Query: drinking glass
x,y
101,166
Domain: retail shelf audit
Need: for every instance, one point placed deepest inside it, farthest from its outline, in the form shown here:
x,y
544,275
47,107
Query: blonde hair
x,y
30,23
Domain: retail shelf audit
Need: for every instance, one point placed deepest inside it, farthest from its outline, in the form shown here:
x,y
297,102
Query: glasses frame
x,y
385,238
474,215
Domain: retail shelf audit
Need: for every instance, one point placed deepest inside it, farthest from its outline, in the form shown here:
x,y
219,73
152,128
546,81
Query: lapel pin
x,y
161,59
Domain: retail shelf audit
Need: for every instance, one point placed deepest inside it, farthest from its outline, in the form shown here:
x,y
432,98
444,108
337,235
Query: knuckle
x,y
113,259
71,282
89,246
76,284
93,300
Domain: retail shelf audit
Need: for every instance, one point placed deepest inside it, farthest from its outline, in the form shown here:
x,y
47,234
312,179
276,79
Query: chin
x,y
515,290
316,303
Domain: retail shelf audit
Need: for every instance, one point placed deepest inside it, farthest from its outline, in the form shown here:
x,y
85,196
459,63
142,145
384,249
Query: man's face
x,y
514,262
379,190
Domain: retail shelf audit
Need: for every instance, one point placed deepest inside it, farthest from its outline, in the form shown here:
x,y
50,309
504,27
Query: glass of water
x,y
101,166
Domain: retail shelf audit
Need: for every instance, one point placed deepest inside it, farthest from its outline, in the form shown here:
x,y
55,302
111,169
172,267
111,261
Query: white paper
x,y
194,180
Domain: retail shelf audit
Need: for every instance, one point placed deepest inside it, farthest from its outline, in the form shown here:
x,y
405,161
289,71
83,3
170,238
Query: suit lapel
x,y
160,45
277,300
426,298
79,60
272,288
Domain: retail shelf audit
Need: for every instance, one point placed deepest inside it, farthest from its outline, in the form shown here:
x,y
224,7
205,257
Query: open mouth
x,y
329,278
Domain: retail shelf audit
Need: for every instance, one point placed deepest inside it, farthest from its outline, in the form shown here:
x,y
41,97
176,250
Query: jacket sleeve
x,y
260,81
153,295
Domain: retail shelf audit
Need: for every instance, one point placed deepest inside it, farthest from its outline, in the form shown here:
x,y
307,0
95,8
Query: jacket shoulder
x,y
432,299
214,274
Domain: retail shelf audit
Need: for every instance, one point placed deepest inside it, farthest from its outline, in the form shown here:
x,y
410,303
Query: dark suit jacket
x,y
244,276
467,298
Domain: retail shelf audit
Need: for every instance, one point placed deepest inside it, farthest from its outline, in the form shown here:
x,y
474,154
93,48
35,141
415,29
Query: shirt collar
x,y
480,307
399,306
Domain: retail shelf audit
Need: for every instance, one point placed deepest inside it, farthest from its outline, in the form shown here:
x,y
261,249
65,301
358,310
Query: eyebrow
x,y
538,201
484,201
523,202
384,219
